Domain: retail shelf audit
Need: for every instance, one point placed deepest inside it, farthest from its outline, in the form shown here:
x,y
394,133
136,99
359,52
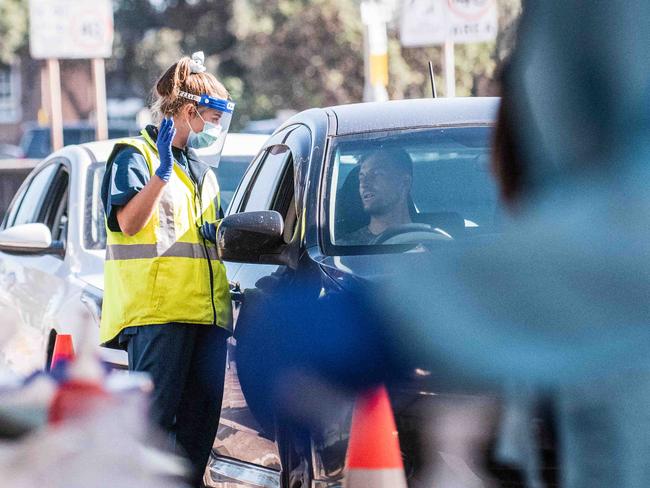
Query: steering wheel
x,y
418,233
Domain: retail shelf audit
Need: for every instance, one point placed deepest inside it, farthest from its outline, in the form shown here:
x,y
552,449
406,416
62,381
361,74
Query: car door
x,y
268,185
32,285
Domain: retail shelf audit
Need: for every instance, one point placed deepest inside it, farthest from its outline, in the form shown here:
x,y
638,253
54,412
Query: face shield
x,y
213,136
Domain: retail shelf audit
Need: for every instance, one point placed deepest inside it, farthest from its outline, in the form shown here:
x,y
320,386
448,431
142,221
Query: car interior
x,y
285,201
350,215
452,189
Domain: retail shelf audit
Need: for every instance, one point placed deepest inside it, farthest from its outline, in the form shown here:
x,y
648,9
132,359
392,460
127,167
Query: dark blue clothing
x,y
187,364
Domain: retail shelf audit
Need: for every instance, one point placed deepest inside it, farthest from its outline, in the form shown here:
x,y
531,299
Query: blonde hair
x,y
179,77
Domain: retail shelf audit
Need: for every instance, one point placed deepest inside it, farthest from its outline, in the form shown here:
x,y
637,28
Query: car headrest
x,y
349,209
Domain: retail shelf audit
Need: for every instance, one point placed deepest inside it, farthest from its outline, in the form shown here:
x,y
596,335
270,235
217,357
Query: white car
x,y
52,247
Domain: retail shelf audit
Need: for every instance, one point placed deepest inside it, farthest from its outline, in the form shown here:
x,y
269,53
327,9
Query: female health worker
x,y
166,297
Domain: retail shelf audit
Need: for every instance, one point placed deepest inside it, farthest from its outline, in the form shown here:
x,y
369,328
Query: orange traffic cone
x,y
63,350
374,458
83,392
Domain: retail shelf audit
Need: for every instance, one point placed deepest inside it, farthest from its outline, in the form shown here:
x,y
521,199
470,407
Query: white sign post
x,y
447,22
375,52
72,29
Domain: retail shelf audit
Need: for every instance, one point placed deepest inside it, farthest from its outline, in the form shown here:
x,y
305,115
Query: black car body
x,y
280,242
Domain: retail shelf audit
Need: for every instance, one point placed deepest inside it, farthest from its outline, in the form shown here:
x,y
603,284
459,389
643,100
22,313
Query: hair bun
x,y
196,65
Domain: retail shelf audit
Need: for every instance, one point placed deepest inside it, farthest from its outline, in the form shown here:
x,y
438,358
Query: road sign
x,y
72,29
472,20
429,22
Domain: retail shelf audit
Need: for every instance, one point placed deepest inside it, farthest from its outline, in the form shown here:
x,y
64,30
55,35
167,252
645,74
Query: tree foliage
x,y
271,54
298,54
284,54
13,28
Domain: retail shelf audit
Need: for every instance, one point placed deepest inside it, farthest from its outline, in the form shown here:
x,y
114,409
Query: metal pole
x,y
433,81
56,115
43,115
449,62
99,79
375,52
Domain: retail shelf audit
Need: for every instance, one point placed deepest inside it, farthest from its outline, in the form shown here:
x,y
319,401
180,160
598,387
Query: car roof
x,y
397,114
237,144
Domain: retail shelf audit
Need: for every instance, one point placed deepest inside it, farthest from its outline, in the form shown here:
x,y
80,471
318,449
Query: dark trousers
x,y
187,366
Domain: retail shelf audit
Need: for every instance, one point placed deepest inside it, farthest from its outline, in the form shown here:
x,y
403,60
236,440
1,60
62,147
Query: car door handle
x,y
236,293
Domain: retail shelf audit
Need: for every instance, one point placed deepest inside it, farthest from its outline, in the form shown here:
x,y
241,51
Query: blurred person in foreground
x,y
561,302
166,298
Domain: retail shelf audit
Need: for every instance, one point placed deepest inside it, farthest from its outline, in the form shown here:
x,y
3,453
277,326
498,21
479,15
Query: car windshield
x,y
230,171
408,189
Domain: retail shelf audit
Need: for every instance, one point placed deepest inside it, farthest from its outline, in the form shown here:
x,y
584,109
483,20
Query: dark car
x,y
35,141
285,236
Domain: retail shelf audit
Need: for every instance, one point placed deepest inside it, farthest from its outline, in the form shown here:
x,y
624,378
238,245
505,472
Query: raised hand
x,y
166,134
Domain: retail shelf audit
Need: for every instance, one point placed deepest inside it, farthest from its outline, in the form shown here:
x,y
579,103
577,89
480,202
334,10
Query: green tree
x,y
284,54
298,54
13,28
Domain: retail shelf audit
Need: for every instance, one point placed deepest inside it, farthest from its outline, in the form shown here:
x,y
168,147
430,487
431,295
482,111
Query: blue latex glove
x,y
166,134
209,232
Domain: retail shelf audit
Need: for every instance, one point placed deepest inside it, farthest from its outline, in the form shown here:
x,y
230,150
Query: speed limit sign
x,y
77,29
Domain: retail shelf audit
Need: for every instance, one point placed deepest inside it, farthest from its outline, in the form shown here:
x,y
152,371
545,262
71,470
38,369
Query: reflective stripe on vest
x,y
148,251
161,274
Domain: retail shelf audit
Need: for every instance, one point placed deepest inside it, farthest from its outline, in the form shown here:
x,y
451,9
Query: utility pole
x,y
449,64
375,52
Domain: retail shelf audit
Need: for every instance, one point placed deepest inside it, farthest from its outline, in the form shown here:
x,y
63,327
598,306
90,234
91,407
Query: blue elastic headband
x,y
211,102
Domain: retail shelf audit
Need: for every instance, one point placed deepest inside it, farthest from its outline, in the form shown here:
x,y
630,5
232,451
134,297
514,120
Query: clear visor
x,y
220,131
214,132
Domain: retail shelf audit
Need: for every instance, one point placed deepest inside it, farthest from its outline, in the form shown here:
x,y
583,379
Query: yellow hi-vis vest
x,y
166,272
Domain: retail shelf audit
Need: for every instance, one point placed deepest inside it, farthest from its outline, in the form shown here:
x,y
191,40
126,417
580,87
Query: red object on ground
x,y
63,349
374,457
75,399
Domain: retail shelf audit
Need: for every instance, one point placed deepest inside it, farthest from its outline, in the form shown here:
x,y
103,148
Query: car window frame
x,y
18,199
58,202
296,140
244,185
271,194
87,243
324,238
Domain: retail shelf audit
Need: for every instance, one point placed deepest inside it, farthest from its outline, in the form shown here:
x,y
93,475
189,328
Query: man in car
x,y
385,179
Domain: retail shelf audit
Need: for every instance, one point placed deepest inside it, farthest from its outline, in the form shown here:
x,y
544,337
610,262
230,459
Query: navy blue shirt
x,y
128,174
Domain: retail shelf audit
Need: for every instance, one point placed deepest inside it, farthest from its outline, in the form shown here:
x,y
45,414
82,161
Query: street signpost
x,y
447,22
374,17
72,29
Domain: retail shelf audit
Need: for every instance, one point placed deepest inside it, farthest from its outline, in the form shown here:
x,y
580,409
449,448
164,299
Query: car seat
x,y
349,209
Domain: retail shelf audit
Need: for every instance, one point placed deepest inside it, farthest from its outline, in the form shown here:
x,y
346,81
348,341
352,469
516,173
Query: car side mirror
x,y
29,239
252,237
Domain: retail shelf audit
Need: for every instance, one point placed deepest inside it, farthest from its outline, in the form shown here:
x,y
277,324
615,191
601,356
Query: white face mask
x,y
206,137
